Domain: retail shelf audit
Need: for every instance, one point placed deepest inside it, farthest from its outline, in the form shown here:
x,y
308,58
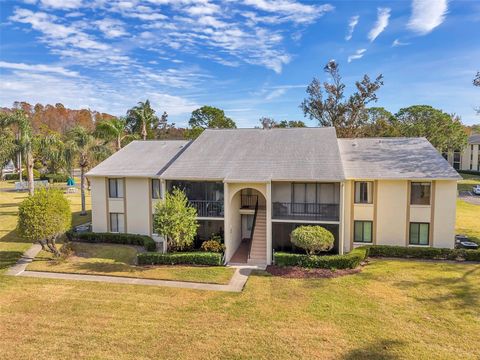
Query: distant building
x,y
469,158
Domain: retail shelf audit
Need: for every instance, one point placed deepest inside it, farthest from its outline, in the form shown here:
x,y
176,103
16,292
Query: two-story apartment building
x,y
255,186
468,158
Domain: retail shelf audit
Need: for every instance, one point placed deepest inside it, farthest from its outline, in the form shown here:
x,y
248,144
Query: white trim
x,y
210,218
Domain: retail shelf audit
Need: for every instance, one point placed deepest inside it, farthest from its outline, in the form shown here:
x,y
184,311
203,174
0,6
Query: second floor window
x,y
115,188
363,192
420,193
156,194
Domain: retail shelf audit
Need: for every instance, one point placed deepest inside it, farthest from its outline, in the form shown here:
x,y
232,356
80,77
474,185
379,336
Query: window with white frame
x,y
115,188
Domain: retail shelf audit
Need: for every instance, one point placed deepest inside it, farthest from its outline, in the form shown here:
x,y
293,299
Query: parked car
x,y
476,190
462,242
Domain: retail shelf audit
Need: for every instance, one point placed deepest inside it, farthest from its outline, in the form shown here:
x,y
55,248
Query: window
x,y
117,222
362,231
115,188
456,160
363,192
420,193
156,194
419,233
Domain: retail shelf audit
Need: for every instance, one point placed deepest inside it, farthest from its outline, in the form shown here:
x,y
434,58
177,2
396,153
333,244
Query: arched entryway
x,y
247,218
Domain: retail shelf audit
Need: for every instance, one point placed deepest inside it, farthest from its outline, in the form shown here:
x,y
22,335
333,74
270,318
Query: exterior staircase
x,y
258,246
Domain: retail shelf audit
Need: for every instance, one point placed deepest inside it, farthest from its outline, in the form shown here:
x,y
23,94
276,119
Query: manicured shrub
x,y
176,220
36,175
191,258
114,238
414,252
313,239
55,178
212,245
469,172
43,217
347,261
472,255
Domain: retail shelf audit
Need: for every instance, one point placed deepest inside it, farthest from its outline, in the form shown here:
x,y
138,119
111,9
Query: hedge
x,y
192,258
348,261
55,178
9,177
113,238
423,253
469,172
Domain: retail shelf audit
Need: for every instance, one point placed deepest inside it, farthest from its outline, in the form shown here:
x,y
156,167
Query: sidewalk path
x,y
236,284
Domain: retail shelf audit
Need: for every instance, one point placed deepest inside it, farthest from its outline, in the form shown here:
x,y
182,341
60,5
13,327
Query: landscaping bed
x,y
296,272
120,260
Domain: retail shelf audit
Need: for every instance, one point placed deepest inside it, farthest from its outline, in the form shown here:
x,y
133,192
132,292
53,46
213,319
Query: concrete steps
x,y
258,250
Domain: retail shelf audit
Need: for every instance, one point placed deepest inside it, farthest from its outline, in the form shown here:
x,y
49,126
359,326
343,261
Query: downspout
x,y
342,217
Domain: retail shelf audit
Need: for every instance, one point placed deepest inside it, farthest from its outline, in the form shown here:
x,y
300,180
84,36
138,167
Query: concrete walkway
x,y
236,284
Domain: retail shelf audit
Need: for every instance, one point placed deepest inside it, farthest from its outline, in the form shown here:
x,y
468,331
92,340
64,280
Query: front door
x,y
247,222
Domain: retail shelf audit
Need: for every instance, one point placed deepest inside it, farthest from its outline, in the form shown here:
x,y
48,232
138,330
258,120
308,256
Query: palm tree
x,y
25,140
85,150
51,150
8,146
116,130
141,119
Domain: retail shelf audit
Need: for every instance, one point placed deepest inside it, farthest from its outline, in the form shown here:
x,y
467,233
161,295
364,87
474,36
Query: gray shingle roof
x,y
474,139
261,155
393,158
140,158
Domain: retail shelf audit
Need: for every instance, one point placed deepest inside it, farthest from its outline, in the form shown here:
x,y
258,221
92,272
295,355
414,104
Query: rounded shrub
x,y
313,239
212,246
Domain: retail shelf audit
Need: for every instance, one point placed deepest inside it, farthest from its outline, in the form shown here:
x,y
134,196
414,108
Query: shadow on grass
x,y
462,291
383,349
9,258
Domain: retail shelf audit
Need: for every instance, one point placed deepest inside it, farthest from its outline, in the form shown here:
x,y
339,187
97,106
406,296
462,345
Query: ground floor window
x,y
362,231
117,222
419,233
281,240
207,229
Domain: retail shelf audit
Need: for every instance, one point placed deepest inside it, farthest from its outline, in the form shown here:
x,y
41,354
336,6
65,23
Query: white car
x,y
476,190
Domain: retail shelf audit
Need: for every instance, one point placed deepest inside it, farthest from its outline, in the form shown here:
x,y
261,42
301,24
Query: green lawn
x,y
468,181
391,310
118,260
468,220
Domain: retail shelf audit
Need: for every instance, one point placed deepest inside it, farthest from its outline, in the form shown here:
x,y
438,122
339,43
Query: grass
x,y
468,220
11,245
119,260
468,181
391,310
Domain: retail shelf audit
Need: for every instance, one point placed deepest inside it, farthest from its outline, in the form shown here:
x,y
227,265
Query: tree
x,y
208,117
267,122
379,122
444,131
115,130
8,145
346,115
25,141
84,149
476,82
313,239
176,220
291,124
43,217
142,120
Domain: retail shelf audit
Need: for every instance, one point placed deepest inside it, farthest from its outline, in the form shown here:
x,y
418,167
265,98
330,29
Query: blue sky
x,y
251,58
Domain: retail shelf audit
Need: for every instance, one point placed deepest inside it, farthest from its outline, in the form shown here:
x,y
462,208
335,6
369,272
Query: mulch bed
x,y
295,272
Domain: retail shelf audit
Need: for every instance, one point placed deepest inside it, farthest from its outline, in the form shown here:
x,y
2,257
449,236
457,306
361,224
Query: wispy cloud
x,y
41,68
112,28
427,15
61,4
275,94
383,16
358,55
397,42
351,26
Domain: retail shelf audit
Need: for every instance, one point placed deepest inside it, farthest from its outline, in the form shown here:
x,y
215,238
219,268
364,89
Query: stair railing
x,y
253,228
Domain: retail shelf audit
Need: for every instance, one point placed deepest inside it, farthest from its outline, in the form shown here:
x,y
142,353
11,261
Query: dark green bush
x,y
113,238
36,175
415,252
347,261
469,172
191,258
55,178
472,255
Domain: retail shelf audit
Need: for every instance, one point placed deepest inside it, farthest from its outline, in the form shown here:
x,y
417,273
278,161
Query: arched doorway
x,y
247,218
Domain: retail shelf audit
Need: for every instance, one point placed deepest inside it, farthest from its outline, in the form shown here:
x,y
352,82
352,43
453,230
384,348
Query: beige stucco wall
x,y
99,204
138,205
363,212
420,213
444,214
